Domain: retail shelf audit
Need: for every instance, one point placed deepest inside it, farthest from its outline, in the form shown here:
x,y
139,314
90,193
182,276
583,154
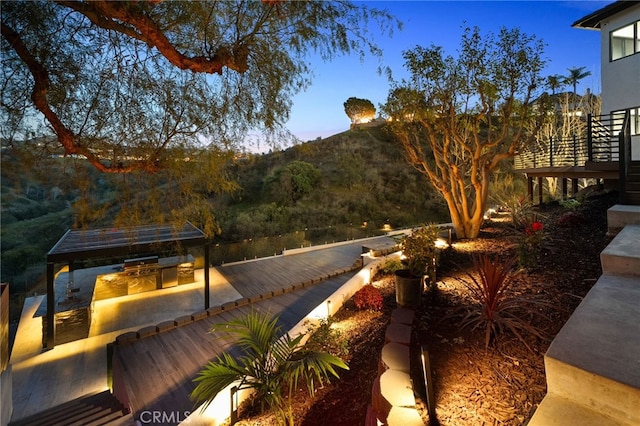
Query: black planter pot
x,y
408,289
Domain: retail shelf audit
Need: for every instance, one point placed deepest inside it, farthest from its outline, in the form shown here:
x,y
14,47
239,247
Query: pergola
x,y
78,244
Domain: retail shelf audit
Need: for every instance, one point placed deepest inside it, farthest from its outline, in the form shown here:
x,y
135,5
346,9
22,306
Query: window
x,y
625,41
635,119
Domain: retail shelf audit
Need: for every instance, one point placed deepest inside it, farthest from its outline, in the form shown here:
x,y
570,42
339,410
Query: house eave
x,y
593,20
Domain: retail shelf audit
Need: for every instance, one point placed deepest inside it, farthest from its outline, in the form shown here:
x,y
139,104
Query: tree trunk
x,y
466,224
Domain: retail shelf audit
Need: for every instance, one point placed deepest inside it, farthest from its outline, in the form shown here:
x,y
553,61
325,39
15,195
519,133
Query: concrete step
x,y
622,255
592,365
557,411
619,216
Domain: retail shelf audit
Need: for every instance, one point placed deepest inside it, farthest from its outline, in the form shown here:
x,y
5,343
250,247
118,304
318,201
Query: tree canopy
x,y
458,117
160,95
359,110
290,183
135,85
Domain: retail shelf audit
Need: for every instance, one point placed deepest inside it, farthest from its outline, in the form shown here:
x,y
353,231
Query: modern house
x,y
610,150
619,26
591,366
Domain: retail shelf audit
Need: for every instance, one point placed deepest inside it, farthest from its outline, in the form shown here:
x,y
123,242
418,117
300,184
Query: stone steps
x,y
622,255
593,365
619,216
91,410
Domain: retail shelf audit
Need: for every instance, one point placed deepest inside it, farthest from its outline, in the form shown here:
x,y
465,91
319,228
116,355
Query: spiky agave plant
x,y
270,361
496,309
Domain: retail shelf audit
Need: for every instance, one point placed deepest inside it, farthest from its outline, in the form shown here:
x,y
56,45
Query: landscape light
x,y
428,384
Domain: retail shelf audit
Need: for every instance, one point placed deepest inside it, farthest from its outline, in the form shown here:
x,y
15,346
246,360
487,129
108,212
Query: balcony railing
x,y
599,145
554,153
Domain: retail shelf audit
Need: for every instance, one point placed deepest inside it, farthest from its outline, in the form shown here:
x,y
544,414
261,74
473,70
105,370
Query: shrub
x,y
531,242
496,310
420,251
391,265
521,211
571,219
325,338
570,204
368,297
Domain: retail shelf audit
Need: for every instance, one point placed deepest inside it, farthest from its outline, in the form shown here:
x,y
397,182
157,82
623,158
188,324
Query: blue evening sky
x,y
319,111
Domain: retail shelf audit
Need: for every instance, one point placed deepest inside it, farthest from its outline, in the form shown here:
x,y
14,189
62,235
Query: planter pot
x,y
408,289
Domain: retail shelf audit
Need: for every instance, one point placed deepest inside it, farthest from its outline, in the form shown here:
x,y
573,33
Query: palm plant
x,y
575,75
495,309
555,82
268,364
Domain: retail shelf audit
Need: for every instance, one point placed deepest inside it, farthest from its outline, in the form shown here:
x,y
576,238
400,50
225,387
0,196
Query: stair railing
x,y
624,148
602,132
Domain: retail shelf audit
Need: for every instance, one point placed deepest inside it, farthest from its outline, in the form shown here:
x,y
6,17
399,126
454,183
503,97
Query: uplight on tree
x,y
359,110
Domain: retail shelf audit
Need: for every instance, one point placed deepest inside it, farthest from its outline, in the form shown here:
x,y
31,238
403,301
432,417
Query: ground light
x,y
428,384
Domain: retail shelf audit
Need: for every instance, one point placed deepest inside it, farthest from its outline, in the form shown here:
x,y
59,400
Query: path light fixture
x,y
428,384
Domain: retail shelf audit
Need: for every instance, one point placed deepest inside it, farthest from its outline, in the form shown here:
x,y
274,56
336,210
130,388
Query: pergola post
x,y
50,338
206,276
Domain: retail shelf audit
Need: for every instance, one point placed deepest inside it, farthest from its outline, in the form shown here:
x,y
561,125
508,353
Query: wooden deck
x,y
571,172
264,275
158,370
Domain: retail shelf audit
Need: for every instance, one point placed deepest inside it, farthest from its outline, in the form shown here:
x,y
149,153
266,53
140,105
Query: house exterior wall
x,y
620,78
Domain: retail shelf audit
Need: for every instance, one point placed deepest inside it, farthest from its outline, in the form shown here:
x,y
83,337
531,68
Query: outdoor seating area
x,y
66,315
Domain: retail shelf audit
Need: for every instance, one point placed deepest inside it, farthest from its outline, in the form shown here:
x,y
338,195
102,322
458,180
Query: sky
x,y
319,111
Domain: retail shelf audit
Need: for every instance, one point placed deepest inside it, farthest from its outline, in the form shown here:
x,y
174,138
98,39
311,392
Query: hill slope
x,y
361,178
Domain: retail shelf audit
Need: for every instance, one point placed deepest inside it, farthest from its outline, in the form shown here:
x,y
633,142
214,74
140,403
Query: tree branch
x,y
140,26
66,137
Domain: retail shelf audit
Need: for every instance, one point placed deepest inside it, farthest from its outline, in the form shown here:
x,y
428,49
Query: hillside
x,y
362,178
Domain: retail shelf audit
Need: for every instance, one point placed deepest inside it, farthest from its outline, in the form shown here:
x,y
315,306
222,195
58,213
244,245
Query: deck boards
x,y
159,370
261,276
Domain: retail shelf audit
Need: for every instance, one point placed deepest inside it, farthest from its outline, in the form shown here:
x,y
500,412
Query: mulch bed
x,y
500,385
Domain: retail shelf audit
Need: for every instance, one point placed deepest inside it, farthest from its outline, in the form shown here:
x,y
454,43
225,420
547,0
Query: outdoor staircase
x,y
632,184
91,410
592,365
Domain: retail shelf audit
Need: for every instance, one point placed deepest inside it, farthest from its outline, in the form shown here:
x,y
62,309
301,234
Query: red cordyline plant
x,y
496,309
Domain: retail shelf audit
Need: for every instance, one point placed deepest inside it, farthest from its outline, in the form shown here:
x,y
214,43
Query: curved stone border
x,y
392,399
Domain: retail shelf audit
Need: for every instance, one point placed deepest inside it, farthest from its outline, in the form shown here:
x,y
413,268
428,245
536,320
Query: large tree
x,y
160,94
458,117
135,85
359,110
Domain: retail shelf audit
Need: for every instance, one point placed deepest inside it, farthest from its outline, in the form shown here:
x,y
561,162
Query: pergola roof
x,y
594,19
89,243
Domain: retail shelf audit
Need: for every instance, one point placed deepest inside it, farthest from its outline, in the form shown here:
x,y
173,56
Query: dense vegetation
x,y
328,188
